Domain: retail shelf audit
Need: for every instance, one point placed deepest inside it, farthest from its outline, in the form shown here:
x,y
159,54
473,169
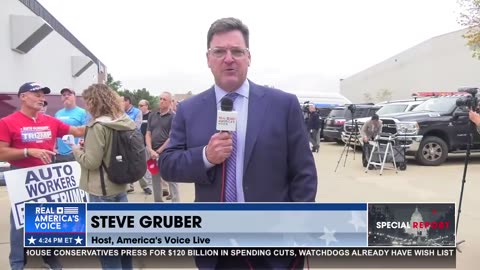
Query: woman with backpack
x,y
107,116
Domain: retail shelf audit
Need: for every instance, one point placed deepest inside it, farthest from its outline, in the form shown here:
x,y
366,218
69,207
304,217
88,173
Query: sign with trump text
x,y
50,183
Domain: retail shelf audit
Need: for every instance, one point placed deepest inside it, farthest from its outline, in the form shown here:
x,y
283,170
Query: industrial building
x,y
440,64
34,46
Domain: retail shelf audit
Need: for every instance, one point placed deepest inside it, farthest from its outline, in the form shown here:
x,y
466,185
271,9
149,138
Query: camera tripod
x,y
403,166
347,147
464,180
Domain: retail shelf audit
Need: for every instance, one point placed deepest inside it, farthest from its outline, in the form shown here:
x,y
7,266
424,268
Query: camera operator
x,y
369,131
471,102
306,111
475,118
313,127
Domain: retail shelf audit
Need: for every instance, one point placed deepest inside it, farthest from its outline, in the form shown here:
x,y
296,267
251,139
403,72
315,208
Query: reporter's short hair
x,y
375,117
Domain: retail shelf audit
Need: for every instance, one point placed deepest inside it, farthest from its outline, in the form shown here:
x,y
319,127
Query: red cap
x,y
152,166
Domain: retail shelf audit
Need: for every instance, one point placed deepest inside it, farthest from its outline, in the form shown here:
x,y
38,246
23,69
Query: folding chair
x,y
382,149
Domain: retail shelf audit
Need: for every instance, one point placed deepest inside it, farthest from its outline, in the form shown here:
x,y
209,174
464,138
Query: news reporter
x,y
268,156
107,114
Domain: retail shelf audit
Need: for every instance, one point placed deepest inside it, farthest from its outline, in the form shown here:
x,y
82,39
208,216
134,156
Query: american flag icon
x,y
70,210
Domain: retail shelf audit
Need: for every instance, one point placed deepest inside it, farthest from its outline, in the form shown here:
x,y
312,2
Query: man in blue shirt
x,y
136,115
72,115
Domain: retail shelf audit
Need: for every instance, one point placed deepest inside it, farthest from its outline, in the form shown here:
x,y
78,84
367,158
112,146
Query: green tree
x,y
384,95
136,95
115,85
470,18
139,94
367,97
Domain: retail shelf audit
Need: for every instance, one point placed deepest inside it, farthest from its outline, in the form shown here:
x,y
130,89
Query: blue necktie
x,y
231,166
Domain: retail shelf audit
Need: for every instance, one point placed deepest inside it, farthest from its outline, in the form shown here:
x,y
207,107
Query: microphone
x,y
227,117
226,121
226,104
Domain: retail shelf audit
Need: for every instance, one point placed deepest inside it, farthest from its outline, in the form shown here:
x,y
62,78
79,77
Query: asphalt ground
x,y
348,184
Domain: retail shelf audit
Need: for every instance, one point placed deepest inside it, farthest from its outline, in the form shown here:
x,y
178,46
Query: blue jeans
x,y
111,262
17,254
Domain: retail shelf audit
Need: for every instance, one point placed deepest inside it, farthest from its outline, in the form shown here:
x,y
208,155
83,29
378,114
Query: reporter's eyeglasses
x,y
235,52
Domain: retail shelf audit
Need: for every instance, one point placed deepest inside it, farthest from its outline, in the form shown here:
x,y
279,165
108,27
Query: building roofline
x,y
42,12
409,48
448,33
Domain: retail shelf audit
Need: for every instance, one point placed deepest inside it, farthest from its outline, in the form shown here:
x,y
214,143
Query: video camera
x,y
352,108
471,101
306,110
306,107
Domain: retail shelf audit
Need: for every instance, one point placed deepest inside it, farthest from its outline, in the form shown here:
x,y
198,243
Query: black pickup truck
x,y
432,130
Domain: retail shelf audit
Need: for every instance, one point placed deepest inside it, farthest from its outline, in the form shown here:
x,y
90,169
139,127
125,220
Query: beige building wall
x,y
443,63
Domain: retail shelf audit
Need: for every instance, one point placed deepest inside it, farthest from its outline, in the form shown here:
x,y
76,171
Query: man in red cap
x,y
27,139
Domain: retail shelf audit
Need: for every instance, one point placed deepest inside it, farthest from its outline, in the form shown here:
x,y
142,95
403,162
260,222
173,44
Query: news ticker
x,y
249,252
220,225
369,257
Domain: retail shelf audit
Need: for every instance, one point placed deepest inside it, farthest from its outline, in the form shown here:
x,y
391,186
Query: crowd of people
x,y
102,104
74,115
267,158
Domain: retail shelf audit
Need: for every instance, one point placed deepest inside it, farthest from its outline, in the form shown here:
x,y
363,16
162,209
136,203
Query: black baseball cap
x,y
33,87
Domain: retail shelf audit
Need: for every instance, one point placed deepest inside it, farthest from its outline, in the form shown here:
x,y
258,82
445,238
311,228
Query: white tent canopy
x,y
323,98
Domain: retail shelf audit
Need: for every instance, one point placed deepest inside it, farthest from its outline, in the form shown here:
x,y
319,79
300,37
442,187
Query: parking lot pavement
x,y
351,184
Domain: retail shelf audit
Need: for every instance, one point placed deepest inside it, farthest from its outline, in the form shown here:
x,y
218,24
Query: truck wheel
x,y
433,151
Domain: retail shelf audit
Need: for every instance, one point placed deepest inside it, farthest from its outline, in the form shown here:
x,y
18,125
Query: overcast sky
x,y
296,45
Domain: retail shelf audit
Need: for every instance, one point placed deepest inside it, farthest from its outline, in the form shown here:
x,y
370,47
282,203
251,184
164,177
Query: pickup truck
x,y
386,108
334,124
432,130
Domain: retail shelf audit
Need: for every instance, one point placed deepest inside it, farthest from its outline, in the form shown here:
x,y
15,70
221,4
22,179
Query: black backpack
x,y
128,159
